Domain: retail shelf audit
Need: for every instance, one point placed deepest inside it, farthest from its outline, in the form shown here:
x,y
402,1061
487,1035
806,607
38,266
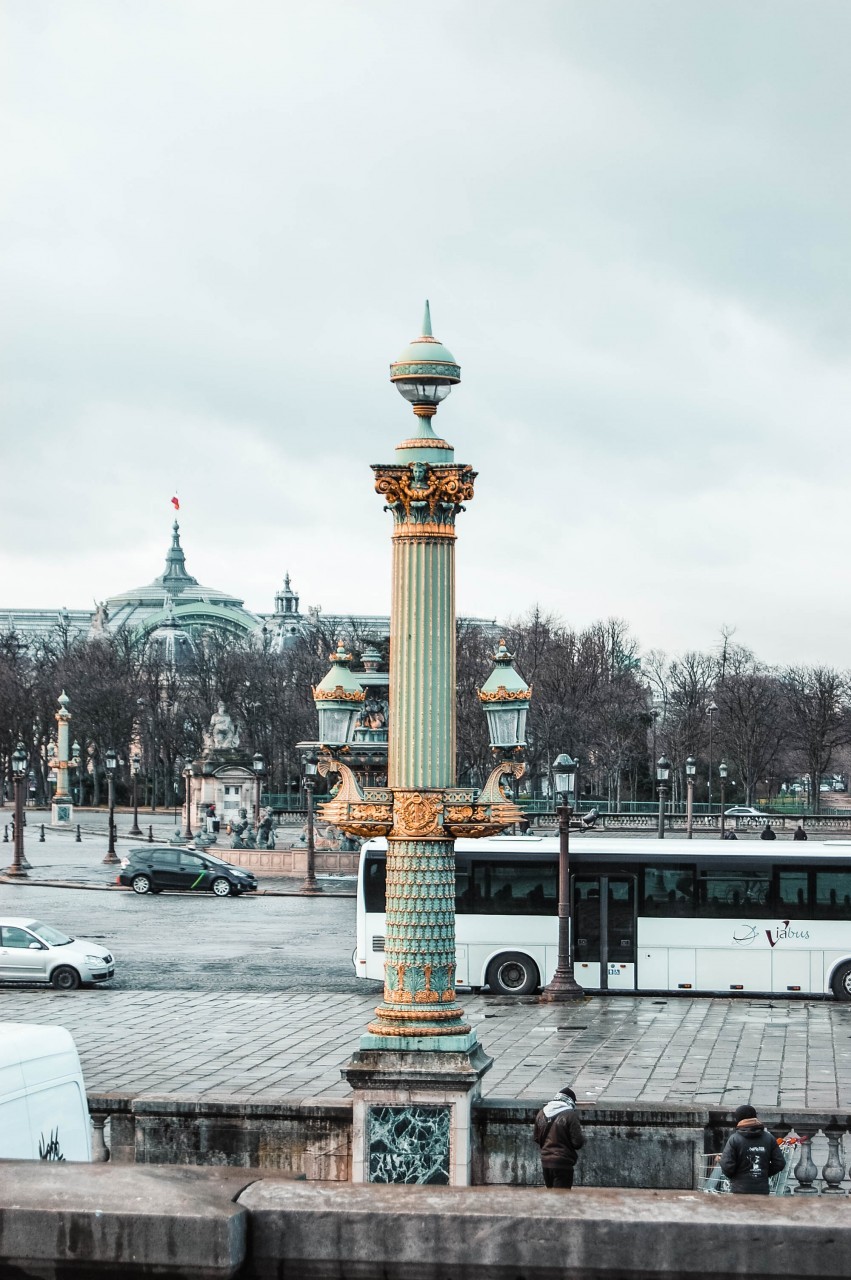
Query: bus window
x,y
514,888
375,885
793,891
667,891
727,893
833,895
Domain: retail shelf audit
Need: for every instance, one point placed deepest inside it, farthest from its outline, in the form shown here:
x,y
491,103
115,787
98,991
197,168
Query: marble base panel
x,y
62,814
411,1114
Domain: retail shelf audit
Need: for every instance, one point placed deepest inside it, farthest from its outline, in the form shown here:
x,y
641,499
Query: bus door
x,y
603,919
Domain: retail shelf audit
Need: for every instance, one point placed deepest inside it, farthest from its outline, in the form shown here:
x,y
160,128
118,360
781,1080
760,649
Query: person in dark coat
x,y
751,1155
800,833
768,832
559,1135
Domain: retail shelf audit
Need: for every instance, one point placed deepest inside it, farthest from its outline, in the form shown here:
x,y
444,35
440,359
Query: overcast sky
x,y
219,224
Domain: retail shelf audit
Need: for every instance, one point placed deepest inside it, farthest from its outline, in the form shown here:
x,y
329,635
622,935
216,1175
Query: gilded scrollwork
x,y
422,489
416,815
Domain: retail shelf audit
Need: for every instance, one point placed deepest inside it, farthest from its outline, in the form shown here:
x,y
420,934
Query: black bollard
x,y
41,835
78,839
5,835
150,835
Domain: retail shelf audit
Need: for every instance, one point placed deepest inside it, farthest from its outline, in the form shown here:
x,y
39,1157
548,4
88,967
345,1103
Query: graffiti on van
x,y
50,1150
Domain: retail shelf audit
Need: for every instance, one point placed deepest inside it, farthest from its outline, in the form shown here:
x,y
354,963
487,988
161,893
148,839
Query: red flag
x,y
175,503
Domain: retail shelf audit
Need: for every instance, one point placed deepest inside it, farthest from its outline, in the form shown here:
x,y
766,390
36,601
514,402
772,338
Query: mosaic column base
x,y
411,1115
61,813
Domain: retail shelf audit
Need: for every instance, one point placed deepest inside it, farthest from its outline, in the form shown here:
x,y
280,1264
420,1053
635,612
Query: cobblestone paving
x,y
644,1051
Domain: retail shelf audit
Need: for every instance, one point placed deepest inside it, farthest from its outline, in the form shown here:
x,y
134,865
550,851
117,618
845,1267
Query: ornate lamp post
x,y
722,774
111,762
563,986
135,766
259,768
19,773
310,766
663,773
419,1065
60,760
691,770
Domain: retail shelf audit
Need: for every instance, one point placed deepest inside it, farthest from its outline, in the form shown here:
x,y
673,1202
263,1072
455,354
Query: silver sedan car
x,y
34,952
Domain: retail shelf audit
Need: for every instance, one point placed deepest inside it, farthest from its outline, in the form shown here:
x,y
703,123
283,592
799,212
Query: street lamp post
x,y
663,773
722,774
691,770
259,769
111,761
310,885
563,987
135,766
187,781
19,771
711,711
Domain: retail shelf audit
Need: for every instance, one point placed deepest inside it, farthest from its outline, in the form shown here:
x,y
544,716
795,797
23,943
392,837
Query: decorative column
x,y
419,1065
62,808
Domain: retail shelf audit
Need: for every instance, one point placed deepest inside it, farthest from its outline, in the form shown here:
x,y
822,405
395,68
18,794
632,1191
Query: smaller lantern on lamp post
x,y
563,986
663,773
505,697
722,774
259,767
111,763
338,700
691,770
19,773
188,833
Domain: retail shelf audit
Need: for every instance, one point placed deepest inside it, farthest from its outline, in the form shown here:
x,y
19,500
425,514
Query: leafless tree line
x,y
594,696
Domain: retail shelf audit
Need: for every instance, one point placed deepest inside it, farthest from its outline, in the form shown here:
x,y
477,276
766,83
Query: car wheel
x,y
512,974
141,884
65,978
840,983
221,887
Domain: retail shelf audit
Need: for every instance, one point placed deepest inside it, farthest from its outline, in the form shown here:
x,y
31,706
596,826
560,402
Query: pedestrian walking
x,y
768,832
751,1155
559,1135
800,833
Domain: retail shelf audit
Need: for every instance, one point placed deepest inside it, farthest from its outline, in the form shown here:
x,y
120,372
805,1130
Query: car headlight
x,y
96,959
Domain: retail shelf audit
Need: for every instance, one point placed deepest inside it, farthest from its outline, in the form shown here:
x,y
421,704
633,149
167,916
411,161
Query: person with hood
x,y
559,1135
751,1155
768,832
800,833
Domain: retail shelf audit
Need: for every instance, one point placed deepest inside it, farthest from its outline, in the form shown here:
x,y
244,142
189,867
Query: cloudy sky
x,y
220,219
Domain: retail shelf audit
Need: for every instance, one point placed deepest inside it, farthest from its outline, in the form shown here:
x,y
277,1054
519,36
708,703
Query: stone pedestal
x,y
411,1117
61,813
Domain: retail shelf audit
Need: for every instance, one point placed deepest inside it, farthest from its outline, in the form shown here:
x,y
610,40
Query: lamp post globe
x,y
663,773
111,761
19,773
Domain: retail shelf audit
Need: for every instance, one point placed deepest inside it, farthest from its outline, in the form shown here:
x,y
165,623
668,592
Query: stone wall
x,y
289,862
81,1222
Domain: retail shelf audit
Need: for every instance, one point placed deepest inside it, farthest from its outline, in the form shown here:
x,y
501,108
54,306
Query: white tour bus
x,y
647,914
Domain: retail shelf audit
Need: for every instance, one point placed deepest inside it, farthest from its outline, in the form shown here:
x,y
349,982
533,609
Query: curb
x,y
121,888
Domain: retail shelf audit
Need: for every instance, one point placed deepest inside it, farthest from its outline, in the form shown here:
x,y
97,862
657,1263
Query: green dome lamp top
x,y
425,373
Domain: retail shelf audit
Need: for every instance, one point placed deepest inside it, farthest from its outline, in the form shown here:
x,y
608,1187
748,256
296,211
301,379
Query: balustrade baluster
x,y
834,1171
806,1170
100,1151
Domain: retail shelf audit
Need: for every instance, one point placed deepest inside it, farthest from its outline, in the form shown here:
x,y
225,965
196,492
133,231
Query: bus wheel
x,y
841,982
513,974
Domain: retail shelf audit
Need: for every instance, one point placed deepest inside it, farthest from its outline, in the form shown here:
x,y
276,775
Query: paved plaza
x,y
644,1051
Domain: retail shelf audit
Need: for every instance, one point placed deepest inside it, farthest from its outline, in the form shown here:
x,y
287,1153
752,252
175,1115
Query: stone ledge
x,y
317,1231
90,1220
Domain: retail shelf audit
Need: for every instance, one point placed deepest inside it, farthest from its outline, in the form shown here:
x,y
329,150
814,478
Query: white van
x,y
43,1110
